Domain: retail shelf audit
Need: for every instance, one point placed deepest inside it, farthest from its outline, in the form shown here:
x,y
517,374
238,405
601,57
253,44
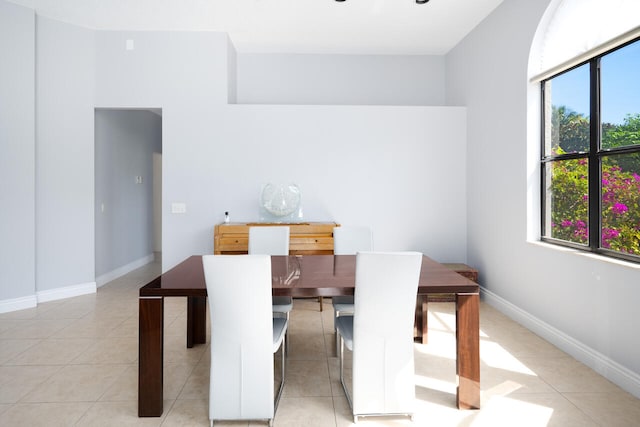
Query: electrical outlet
x,y
178,208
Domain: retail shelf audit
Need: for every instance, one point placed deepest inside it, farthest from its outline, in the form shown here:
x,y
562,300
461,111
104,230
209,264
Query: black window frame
x,y
594,158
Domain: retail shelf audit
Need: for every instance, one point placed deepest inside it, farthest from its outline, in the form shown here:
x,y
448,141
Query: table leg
x,y
468,350
420,326
150,356
196,321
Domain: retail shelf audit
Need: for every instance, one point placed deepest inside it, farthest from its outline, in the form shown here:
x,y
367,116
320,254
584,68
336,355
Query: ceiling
x,y
391,27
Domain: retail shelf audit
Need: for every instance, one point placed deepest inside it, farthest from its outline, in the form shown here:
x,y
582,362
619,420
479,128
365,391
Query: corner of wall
x,y
232,72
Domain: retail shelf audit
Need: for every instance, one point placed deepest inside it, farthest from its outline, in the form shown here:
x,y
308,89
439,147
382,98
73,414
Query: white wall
x,y
185,74
399,169
17,151
64,155
581,303
341,79
125,141
165,69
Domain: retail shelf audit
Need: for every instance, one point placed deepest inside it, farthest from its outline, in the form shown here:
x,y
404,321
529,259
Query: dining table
x,y
301,276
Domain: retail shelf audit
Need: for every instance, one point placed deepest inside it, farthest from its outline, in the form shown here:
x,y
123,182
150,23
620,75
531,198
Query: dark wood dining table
x,y
301,276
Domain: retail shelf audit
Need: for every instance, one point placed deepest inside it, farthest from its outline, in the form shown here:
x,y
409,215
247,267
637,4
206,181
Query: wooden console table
x,y
305,238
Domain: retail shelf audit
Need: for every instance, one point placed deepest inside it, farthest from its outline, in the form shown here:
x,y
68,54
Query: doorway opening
x,y
128,190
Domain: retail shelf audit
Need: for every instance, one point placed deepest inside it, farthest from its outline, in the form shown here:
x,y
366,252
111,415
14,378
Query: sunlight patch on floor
x,y
494,355
435,384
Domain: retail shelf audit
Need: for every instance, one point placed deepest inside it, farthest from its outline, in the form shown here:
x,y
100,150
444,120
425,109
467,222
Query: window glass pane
x,y
620,97
620,203
566,200
567,112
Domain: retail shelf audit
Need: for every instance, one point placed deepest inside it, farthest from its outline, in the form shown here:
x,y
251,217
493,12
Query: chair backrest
x,y
349,240
269,240
385,300
239,291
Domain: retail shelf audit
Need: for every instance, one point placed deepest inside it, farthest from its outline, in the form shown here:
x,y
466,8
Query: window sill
x,y
590,255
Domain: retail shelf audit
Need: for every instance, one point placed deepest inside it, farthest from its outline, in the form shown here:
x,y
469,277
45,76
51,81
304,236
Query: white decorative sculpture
x,y
280,203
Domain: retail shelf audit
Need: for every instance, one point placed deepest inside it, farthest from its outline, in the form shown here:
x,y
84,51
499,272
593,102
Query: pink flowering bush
x,y
568,192
569,200
620,208
620,204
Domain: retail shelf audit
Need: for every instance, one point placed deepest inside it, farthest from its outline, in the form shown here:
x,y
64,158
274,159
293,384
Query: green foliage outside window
x,y
569,200
620,187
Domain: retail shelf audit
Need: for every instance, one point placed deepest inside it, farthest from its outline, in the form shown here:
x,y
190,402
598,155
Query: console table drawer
x,y
308,243
235,244
309,238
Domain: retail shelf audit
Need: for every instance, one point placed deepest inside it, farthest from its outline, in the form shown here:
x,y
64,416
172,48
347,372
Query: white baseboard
x,y
31,301
15,304
66,292
613,371
121,271
48,295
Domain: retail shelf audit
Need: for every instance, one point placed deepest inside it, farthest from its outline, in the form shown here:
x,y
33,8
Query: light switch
x,y
138,180
129,44
178,208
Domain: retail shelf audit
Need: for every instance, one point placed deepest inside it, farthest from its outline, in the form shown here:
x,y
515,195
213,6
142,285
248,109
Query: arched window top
x,y
571,31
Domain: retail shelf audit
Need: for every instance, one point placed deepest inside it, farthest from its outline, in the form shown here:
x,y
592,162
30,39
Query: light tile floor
x,y
73,362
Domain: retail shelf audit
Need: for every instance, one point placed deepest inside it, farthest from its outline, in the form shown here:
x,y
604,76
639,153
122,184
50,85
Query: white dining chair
x,y
380,334
241,385
348,240
272,240
269,240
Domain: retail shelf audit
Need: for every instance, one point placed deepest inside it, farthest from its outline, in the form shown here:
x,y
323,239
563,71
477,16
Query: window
x,y
590,160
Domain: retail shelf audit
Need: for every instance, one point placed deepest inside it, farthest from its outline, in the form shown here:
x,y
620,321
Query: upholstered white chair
x,y
272,240
348,240
269,240
241,385
380,334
